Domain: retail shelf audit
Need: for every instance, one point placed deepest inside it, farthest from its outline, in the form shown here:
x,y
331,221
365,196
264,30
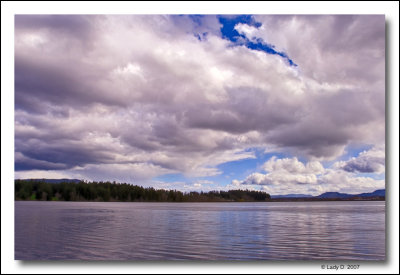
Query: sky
x,y
280,103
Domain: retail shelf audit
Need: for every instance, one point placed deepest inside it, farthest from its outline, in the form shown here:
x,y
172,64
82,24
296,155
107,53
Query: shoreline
x,y
272,200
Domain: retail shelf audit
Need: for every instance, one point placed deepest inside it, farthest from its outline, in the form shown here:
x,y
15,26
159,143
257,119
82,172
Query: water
x,y
352,230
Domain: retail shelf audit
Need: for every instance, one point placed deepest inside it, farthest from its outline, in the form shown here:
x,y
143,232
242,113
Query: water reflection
x,y
206,231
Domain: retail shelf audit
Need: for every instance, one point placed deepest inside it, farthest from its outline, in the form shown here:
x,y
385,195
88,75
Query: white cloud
x,y
342,181
293,165
39,174
286,171
288,175
247,30
202,182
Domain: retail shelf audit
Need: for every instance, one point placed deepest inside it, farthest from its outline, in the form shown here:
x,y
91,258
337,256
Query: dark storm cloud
x,y
330,121
74,26
60,155
37,82
25,163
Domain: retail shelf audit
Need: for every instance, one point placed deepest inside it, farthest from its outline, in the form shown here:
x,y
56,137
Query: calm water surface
x,y
200,231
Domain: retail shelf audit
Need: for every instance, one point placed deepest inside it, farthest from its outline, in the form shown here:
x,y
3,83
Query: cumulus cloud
x,y
135,97
342,181
285,171
289,175
371,161
293,165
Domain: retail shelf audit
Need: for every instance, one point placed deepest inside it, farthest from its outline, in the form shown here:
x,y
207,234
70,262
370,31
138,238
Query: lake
x,y
341,230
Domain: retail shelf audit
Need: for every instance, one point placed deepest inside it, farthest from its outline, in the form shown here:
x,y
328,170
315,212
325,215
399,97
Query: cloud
x,y
197,186
289,175
26,163
285,171
371,161
97,93
334,48
292,165
341,181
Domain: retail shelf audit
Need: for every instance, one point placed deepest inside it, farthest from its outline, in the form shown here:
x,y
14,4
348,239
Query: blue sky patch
x,y
231,170
228,32
228,26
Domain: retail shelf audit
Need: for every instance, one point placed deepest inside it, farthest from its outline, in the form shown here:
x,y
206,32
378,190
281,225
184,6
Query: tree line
x,y
112,191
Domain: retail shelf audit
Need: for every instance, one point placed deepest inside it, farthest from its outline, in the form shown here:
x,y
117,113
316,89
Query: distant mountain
x,y
337,195
334,195
291,196
55,180
380,192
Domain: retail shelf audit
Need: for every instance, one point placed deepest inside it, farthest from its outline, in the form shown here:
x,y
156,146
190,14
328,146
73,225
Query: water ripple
x,y
200,231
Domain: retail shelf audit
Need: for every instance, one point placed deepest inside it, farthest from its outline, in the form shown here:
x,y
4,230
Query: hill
x,y
54,180
337,195
291,196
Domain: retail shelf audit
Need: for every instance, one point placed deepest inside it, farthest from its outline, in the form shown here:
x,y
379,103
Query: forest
x,y
123,192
